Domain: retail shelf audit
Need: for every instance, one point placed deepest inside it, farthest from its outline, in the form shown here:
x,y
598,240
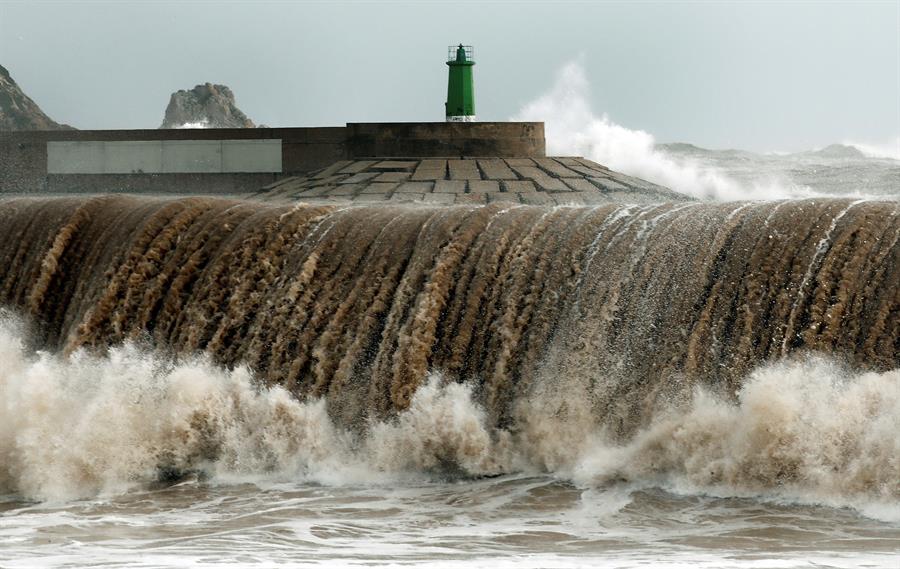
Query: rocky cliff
x,y
18,111
205,106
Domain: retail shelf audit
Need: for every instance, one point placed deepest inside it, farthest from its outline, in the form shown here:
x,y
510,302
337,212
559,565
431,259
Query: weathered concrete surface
x,y
163,156
533,181
501,139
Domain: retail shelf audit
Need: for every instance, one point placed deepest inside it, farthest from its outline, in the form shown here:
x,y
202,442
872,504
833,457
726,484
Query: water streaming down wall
x,y
358,304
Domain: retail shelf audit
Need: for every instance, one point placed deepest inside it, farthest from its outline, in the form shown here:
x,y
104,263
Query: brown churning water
x,y
359,303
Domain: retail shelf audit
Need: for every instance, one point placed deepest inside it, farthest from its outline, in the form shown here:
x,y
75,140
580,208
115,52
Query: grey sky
x,y
757,75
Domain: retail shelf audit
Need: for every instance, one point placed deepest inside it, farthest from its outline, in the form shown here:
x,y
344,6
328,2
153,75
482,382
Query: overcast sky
x,y
755,75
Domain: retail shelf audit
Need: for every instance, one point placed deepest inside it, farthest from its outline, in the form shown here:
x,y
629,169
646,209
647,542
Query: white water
x,y
889,149
760,480
198,124
82,426
573,129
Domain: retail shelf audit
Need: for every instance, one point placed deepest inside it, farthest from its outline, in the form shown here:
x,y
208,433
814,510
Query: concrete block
x,y
464,170
291,185
392,177
580,185
541,178
344,190
359,178
608,185
395,165
330,181
471,198
335,168
584,170
496,170
593,165
431,170
315,192
439,198
555,168
476,186
450,187
520,186
502,197
357,166
279,182
433,164
519,162
398,197
416,187
422,175
379,188
369,198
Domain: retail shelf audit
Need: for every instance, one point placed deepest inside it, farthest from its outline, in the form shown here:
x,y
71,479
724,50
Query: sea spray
x,y
574,130
806,430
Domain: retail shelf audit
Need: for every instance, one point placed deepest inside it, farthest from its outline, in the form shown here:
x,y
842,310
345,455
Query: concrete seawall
x,y
24,155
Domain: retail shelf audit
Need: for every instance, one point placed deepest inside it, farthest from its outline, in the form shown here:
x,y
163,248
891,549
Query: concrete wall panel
x,y
76,158
163,156
28,159
251,156
133,157
192,156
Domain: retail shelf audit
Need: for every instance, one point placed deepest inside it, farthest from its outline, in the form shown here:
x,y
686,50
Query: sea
x,y
201,382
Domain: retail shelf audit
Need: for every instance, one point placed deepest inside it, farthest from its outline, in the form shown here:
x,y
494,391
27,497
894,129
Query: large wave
x,y
81,425
599,345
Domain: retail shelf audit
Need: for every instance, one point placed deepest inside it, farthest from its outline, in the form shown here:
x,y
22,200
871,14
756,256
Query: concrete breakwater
x,y
436,181
228,161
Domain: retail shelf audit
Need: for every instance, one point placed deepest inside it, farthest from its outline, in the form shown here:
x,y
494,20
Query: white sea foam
x,y
82,425
889,149
198,124
572,129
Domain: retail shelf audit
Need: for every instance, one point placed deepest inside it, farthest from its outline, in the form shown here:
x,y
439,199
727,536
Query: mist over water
x,y
572,128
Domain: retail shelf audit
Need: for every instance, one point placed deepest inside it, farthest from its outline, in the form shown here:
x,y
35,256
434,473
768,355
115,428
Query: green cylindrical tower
x,y
460,105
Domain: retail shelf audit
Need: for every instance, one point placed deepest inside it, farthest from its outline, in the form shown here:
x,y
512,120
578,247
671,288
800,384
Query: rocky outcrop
x,y
205,106
18,111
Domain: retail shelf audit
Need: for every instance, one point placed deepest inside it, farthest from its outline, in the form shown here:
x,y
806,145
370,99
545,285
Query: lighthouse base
x,y
461,118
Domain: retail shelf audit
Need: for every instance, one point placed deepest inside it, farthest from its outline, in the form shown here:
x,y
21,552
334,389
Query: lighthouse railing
x,y
451,52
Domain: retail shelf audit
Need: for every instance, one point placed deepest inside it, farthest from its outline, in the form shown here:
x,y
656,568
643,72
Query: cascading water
x,y
738,349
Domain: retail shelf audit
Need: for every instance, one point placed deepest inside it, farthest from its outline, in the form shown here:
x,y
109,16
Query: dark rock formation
x,y
18,111
205,106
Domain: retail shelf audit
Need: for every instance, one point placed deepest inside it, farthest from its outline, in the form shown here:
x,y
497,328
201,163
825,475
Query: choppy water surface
x,y
522,521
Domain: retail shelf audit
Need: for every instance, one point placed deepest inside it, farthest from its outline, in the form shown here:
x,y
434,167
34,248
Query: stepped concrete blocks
x,y
526,180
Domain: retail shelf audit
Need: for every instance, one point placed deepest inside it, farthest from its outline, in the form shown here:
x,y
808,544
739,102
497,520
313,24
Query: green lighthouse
x,y
460,105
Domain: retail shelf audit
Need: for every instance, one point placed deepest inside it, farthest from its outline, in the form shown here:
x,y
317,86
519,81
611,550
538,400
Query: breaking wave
x,y
891,149
572,128
76,426
664,344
